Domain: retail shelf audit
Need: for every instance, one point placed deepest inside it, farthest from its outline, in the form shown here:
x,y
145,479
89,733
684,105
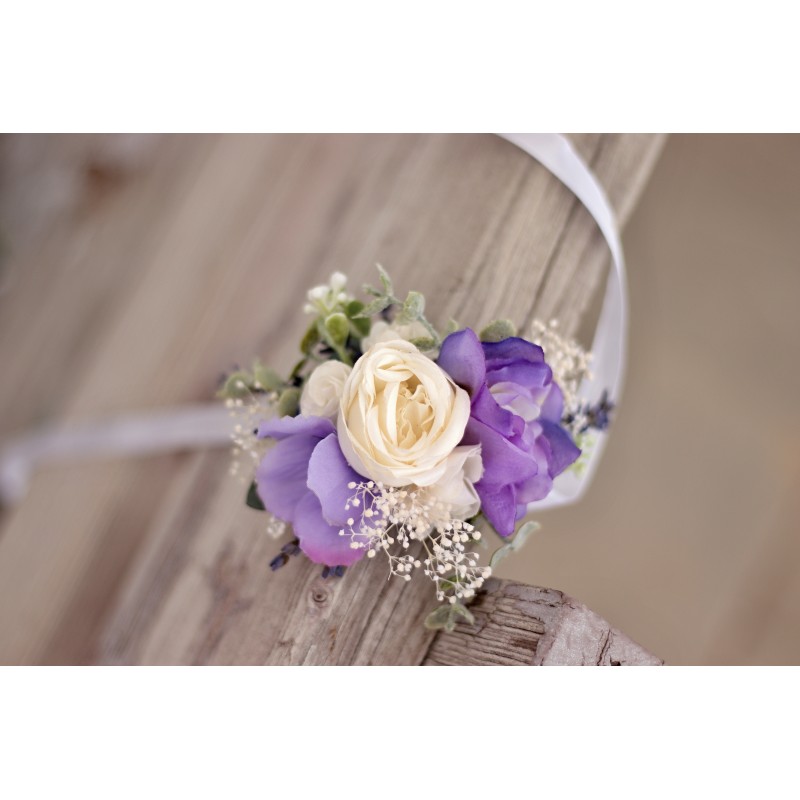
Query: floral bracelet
x,y
387,434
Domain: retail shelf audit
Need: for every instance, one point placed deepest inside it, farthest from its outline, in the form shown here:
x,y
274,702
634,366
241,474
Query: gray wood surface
x,y
159,280
520,625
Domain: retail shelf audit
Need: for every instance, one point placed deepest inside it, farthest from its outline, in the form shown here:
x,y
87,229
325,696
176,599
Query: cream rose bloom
x,y
323,390
401,417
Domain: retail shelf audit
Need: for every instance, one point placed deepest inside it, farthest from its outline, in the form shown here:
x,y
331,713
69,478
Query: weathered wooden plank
x,y
161,274
484,232
519,625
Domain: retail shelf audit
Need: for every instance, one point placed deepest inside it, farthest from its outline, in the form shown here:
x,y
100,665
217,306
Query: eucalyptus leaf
x,y
424,343
413,307
515,544
452,327
237,384
446,616
253,499
386,281
266,378
375,307
289,403
498,330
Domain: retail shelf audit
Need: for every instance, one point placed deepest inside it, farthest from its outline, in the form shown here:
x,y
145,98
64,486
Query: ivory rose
x,y
401,416
323,390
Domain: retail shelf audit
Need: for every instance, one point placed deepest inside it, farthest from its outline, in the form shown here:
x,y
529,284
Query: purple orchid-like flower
x,y
515,417
303,480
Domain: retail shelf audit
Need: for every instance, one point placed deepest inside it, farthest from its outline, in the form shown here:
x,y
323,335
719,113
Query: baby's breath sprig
x,y
391,518
569,361
246,413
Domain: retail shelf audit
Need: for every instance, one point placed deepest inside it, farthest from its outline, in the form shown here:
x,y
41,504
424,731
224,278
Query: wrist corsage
x,y
390,439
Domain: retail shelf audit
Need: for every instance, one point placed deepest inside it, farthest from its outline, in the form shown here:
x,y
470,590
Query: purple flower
x,y
515,417
303,480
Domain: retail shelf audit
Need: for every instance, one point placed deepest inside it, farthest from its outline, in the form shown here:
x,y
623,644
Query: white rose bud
x,y
323,390
401,416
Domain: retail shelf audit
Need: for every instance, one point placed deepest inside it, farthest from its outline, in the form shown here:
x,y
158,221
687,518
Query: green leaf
x,y
298,368
353,308
237,384
361,324
585,442
289,402
337,327
386,281
446,616
309,340
375,307
498,330
413,307
266,378
424,344
253,500
516,543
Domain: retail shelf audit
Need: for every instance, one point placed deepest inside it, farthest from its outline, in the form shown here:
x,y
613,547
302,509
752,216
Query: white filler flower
x,y
401,416
323,390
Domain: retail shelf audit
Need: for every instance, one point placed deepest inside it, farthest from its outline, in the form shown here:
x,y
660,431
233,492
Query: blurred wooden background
x,y
693,516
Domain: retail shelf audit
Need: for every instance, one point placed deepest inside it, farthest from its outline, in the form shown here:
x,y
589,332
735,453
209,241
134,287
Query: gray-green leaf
x,y
375,307
516,543
413,307
498,330
237,384
266,378
446,616
424,344
386,281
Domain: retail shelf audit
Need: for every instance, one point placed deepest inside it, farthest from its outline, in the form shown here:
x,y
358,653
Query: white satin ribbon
x,y
180,428
609,348
201,426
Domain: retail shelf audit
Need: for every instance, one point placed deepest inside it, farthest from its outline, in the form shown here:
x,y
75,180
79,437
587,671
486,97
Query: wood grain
x,y
200,260
520,625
